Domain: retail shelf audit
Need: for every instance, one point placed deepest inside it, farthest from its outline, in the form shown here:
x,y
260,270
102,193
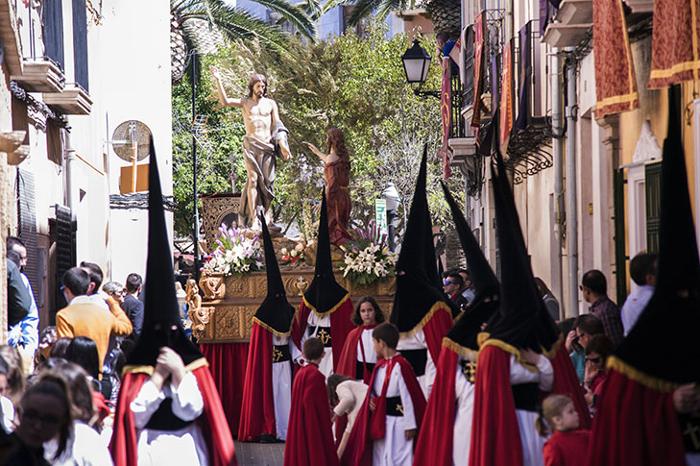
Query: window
x,y
652,175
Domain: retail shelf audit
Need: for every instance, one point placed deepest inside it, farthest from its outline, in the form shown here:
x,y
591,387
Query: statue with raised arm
x,y
265,138
336,171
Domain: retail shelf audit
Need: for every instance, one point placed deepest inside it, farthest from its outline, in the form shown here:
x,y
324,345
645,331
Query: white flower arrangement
x,y
237,252
365,264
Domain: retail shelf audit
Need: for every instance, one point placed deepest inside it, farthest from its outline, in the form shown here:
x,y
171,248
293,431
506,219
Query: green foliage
x,y
355,84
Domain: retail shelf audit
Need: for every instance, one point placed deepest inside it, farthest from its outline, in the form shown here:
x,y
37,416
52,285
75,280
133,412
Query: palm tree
x,y
194,24
445,14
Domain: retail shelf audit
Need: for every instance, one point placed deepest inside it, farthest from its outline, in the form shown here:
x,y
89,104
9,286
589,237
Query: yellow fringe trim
x,y
617,99
148,370
481,337
438,306
270,329
677,68
328,312
466,353
509,349
649,381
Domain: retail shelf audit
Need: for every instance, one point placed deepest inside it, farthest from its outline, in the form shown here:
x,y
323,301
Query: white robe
x,y
462,433
281,390
417,341
183,446
326,364
394,449
370,355
84,448
531,441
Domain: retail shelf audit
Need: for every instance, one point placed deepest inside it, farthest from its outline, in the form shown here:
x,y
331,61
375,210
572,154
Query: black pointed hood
x,y
523,320
663,342
275,313
324,292
417,280
485,303
162,325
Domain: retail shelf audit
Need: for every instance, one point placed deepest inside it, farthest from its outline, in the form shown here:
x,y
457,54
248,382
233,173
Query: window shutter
x,y
26,213
64,238
652,175
53,31
80,51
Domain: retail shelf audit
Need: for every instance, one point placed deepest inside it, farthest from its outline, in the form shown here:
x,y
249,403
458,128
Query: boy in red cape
x,y
310,438
649,411
168,411
392,412
325,310
444,438
267,390
421,312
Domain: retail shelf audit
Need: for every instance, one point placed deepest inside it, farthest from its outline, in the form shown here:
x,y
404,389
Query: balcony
x,y
72,100
571,25
41,75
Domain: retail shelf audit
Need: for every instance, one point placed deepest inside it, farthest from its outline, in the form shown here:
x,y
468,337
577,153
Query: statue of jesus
x,y
265,137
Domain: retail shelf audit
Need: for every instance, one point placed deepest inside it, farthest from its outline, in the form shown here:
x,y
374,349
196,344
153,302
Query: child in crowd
x,y
567,446
597,352
346,396
309,436
45,413
389,419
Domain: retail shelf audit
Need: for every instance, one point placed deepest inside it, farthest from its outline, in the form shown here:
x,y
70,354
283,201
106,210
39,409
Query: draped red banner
x,y
616,85
506,114
446,114
675,48
479,24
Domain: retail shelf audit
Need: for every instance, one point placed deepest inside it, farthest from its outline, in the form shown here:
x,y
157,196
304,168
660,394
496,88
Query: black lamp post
x,y
195,220
416,64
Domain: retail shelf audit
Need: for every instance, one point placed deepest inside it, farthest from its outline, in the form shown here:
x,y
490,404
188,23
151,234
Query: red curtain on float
x,y
227,363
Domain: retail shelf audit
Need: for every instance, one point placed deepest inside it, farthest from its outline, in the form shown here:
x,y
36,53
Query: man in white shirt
x,y
643,273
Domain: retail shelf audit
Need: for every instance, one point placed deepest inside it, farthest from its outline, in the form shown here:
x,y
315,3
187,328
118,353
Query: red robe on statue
x,y
348,357
435,439
341,325
636,423
495,433
358,451
309,437
258,406
566,383
124,443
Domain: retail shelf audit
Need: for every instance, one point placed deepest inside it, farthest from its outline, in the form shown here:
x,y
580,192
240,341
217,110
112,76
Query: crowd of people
x,y
474,370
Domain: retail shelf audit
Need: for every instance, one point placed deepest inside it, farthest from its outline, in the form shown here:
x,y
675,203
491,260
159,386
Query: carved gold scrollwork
x,y
301,284
200,319
213,286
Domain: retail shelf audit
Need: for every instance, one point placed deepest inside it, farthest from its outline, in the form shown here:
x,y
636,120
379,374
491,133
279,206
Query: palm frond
x,y
381,8
293,14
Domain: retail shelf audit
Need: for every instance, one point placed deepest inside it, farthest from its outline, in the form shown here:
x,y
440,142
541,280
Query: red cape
x,y
438,323
258,406
495,434
566,383
435,439
348,357
310,438
636,422
567,448
341,325
123,445
358,451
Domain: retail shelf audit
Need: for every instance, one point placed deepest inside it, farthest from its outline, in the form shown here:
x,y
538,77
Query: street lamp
x,y
416,64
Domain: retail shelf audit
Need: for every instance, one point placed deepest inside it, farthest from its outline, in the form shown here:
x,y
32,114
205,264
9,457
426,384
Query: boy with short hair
x,y
309,436
389,420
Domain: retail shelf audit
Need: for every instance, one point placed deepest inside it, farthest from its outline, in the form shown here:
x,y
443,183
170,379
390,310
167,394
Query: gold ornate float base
x,y
230,302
